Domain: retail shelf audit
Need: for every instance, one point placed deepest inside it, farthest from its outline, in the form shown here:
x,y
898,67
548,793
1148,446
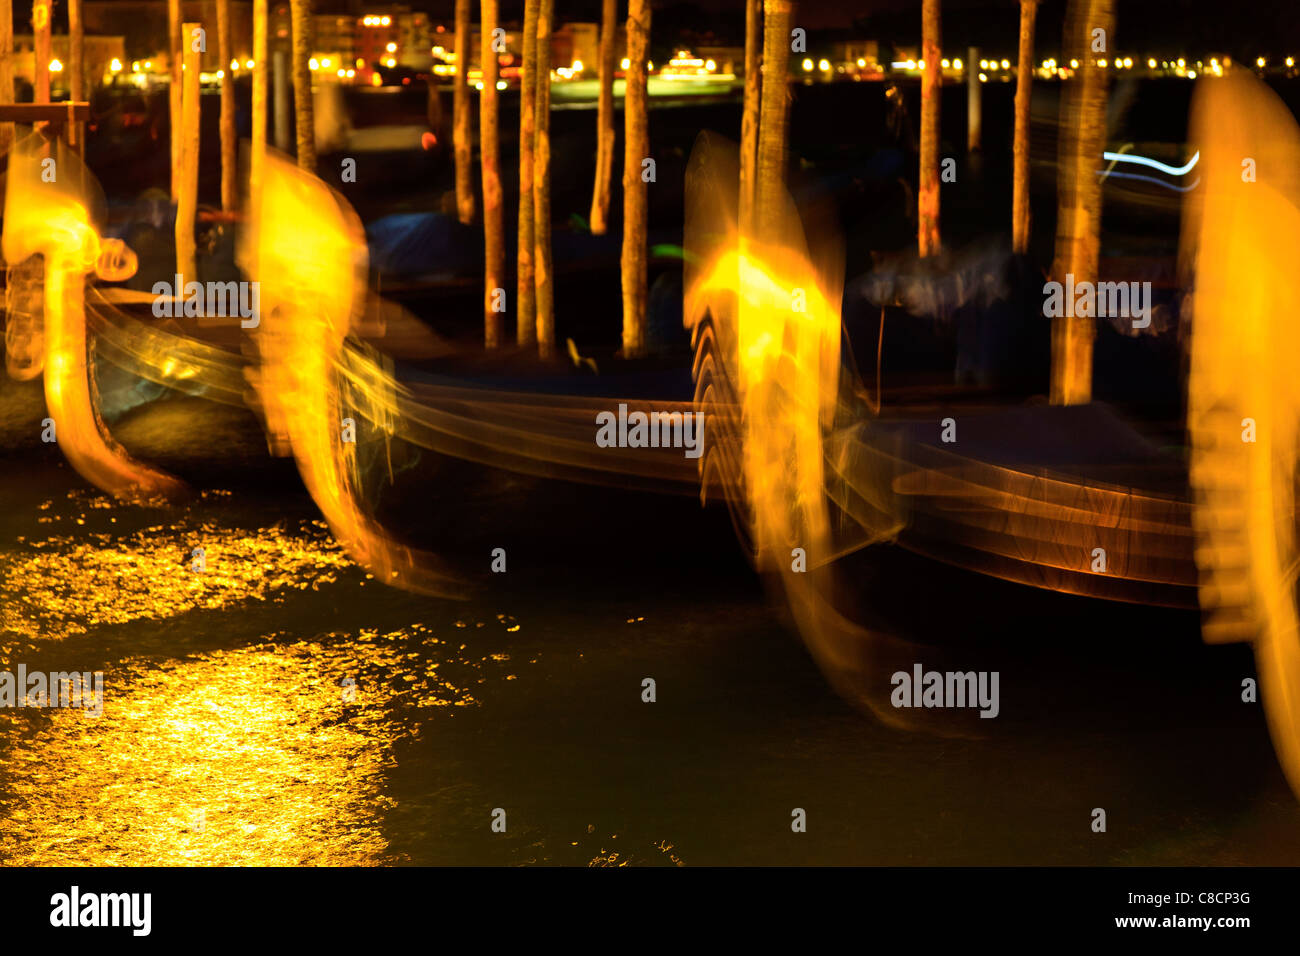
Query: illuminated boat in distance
x,y
686,66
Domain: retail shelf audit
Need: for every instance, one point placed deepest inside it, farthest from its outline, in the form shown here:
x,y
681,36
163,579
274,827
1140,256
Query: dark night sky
x,y
1243,29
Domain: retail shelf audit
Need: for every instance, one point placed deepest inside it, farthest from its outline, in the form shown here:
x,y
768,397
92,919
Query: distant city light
x,y
116,65
1006,64
945,63
234,65
250,64
577,66
1290,61
501,84
56,66
861,63
313,63
956,64
984,64
1261,62
392,48
325,63
627,63
390,63
1151,64
824,65
984,78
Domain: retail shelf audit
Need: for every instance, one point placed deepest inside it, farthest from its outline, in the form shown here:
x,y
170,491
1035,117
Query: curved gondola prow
x,y
769,343
307,249
52,203
1243,392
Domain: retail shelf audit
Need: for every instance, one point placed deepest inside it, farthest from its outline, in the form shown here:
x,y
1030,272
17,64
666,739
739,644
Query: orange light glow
x,y
51,218
1243,394
307,247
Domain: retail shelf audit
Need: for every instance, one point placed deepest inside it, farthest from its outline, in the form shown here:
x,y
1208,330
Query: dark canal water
x,y
230,733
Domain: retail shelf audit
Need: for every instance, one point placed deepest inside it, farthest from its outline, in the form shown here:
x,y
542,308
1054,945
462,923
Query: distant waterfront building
x,y
335,40
862,54
577,42
100,54
393,36
143,26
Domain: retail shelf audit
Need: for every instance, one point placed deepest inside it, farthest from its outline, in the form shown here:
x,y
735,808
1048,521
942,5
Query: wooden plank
x,y
31,113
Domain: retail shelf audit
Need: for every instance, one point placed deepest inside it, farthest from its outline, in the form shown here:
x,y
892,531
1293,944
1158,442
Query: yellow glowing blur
x,y
768,310
1243,394
51,219
307,248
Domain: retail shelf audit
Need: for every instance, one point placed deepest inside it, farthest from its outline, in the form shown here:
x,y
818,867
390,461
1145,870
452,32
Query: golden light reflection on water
x,y
263,755
63,585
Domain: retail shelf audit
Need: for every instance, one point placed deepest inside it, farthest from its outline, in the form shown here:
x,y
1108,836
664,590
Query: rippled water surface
x,y
279,706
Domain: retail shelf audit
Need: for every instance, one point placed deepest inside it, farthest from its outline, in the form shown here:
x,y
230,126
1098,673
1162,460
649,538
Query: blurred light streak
x,y
1153,163
1107,174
